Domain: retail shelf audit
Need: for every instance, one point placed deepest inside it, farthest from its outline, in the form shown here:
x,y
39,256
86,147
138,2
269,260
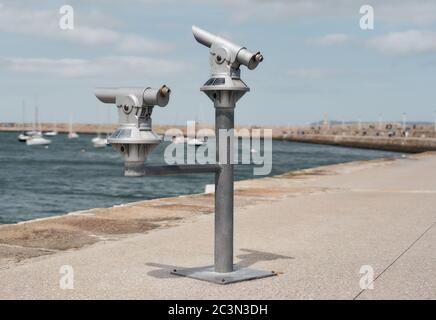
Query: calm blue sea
x,y
71,175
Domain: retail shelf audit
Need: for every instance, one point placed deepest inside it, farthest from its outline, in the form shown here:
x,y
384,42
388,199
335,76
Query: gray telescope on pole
x,y
224,88
134,138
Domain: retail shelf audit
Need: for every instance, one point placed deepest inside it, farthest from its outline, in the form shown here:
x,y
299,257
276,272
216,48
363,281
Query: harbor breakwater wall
x,y
407,145
278,132
390,137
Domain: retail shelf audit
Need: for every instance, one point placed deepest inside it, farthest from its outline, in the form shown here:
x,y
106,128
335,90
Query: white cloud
x,y
405,43
422,12
391,11
72,68
136,44
45,23
330,39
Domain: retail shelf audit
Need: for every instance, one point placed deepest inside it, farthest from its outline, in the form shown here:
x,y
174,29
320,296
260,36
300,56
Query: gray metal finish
x,y
134,138
134,168
209,274
134,96
224,88
224,50
224,188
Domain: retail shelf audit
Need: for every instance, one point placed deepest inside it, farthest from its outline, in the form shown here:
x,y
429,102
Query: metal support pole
x,y
224,272
224,122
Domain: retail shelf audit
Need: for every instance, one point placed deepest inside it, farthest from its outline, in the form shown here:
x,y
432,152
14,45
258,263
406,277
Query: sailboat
x,y
196,142
53,132
193,141
34,131
71,133
23,137
98,141
178,139
36,138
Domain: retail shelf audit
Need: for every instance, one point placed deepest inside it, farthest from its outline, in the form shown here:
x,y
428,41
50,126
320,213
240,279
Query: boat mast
x,y
71,123
23,111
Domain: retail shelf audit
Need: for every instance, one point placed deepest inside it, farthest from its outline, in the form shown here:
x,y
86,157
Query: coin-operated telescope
x,y
134,138
224,88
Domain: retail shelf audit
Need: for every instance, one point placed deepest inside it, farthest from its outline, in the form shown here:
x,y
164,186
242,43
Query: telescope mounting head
x,y
134,137
225,86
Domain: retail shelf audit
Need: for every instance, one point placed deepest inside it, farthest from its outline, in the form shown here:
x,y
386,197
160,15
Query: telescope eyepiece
x,y
249,59
164,91
259,57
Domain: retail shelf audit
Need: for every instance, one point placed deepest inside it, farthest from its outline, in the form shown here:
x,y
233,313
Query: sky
x,y
317,59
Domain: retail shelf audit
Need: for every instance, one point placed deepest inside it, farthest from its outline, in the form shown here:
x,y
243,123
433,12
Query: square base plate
x,y
209,274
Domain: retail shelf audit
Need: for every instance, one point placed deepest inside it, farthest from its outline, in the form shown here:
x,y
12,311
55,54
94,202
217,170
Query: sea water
x,y
71,175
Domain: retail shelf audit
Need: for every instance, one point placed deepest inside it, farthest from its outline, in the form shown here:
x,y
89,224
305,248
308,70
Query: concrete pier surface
x,y
316,228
